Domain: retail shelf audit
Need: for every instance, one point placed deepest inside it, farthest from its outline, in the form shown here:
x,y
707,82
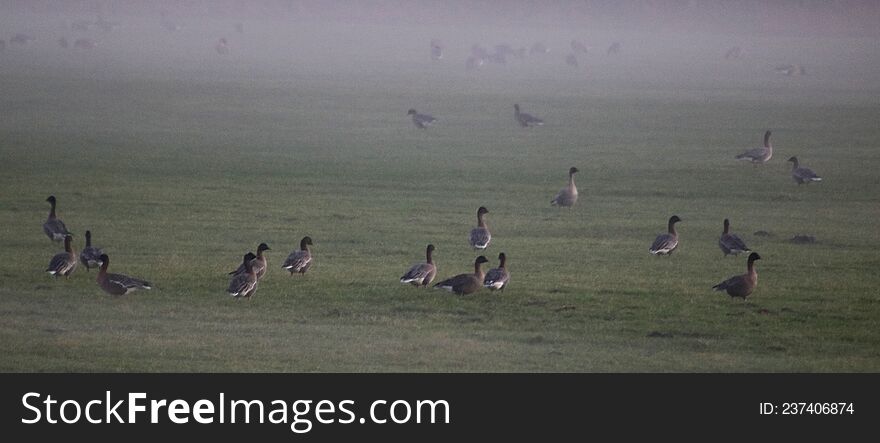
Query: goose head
x,y
411,112
262,247
305,241
482,211
674,219
480,260
572,170
754,256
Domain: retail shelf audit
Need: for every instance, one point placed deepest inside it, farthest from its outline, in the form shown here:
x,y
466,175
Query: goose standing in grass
x,y
54,227
299,261
118,284
244,284
422,274
741,285
260,264
497,278
480,236
759,155
63,263
526,120
801,174
463,284
664,244
421,121
731,243
90,257
568,195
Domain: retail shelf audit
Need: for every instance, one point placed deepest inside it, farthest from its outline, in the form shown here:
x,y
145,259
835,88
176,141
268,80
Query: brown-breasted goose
x,y
118,284
260,264
421,121
802,174
497,278
63,263
299,261
741,285
480,236
90,257
422,274
664,244
731,243
463,284
244,284
758,155
526,120
54,227
568,195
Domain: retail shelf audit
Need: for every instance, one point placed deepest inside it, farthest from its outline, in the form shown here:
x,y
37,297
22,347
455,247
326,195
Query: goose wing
x,y
60,264
753,154
806,174
736,286
91,256
421,273
458,284
242,284
480,238
55,229
733,244
127,283
298,261
496,278
664,244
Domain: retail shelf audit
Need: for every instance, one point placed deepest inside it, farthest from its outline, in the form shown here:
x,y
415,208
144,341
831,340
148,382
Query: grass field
x,y
180,168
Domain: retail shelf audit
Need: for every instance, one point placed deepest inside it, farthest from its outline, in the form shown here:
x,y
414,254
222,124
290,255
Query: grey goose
x,y
90,257
244,284
299,261
802,174
63,263
422,274
526,120
480,236
463,284
664,244
421,121
118,284
731,243
741,285
497,278
758,155
54,227
568,195
259,263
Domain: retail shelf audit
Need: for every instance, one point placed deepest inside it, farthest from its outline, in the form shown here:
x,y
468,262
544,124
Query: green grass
x,y
179,175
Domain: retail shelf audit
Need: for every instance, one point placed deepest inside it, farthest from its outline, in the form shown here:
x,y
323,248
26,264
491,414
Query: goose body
x,y
741,285
244,284
480,236
90,257
63,263
801,174
731,243
222,47
301,260
54,227
422,274
568,195
497,278
259,263
118,284
463,284
759,155
436,50
790,70
421,121
526,120
664,244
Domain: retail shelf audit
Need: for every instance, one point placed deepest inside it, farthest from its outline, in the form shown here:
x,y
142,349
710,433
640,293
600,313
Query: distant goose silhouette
x,y
759,155
526,120
664,244
614,49
480,236
463,284
222,46
741,285
497,278
421,121
421,274
790,70
802,174
731,243
568,195
118,284
299,261
577,46
54,227
244,284
90,257
436,50
63,263
259,263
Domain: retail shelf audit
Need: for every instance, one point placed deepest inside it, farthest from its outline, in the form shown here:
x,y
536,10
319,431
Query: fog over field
x,y
182,134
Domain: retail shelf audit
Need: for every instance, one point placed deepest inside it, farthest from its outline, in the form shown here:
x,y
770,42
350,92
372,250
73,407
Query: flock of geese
x,y
244,280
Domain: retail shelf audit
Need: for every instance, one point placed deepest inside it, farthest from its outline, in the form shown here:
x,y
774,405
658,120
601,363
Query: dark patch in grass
x,y
764,312
334,313
54,330
42,287
535,340
565,308
776,348
534,302
763,234
803,239
658,334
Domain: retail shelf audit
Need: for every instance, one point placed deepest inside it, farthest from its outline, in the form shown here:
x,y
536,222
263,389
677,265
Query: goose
x,y
436,50
614,49
731,243
568,195
259,263
526,120
421,121
90,257
664,244
497,278
802,175
63,263
480,236
222,46
463,284
758,155
741,285
54,227
118,284
244,284
301,260
422,274
790,70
